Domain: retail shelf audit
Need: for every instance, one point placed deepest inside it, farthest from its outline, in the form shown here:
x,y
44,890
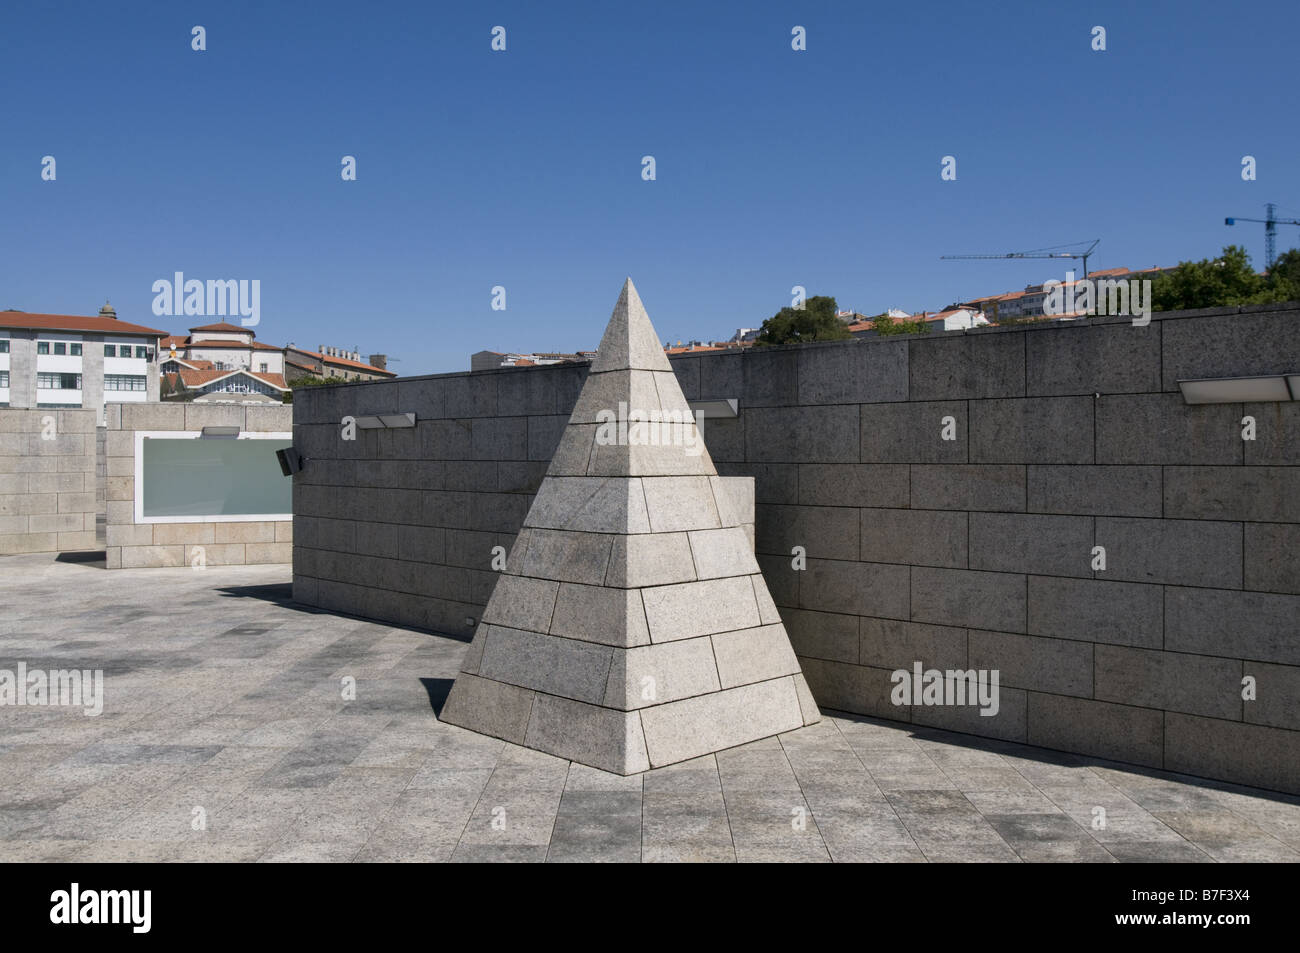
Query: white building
x,y
75,361
224,347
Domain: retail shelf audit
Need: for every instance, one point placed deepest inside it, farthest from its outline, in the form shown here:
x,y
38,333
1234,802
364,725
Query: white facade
x,y
238,337
59,367
4,368
249,358
964,319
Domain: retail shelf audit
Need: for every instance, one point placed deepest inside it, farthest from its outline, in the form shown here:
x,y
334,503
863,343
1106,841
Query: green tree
x,y
1284,277
815,321
1012,319
885,324
1211,283
306,381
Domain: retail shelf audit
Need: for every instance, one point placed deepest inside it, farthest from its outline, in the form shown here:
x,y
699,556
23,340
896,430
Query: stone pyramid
x,y
631,627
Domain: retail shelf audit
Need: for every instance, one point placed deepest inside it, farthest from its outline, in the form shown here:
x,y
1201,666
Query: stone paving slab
x,y
225,703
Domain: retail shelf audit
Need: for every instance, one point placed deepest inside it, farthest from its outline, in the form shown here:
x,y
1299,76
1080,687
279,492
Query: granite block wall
x,y
47,480
943,499
132,545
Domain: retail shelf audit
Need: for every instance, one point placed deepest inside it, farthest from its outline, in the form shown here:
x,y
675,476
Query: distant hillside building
x,y
487,360
951,319
1029,303
333,363
226,362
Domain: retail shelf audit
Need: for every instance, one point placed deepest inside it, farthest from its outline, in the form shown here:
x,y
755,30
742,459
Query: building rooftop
x,y
200,377
227,327
74,322
341,362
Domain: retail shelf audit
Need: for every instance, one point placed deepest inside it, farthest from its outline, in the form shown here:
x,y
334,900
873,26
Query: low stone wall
x,y
947,493
402,524
47,480
133,545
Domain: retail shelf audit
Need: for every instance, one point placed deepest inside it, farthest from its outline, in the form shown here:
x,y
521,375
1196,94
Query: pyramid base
x,y
629,742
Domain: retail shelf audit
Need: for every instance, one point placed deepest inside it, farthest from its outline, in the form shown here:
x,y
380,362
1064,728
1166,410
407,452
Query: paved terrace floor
x,y
223,695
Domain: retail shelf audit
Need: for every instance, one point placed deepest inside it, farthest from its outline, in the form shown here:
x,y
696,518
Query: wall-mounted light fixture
x,y
702,410
385,421
228,433
291,461
724,407
1237,390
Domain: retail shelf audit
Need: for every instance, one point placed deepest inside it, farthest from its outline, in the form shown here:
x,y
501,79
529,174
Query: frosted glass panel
x,y
214,477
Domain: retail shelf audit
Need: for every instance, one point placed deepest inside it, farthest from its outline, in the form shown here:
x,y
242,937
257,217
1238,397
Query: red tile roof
x,y
198,378
344,362
179,341
240,345
225,326
73,322
275,380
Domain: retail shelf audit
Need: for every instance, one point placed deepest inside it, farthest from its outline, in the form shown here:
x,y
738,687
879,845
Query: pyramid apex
x,y
630,341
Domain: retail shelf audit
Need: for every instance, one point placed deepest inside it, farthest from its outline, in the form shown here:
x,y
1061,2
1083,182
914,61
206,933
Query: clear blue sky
x,y
523,168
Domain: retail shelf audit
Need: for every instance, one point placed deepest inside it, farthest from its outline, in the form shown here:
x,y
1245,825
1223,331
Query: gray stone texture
x,y
914,537
379,778
1117,613
1232,345
970,551
1095,491
962,366
1032,430
1058,666
971,487
1106,358
1149,429
1168,551
681,730
47,480
1014,542
977,600
914,432
847,374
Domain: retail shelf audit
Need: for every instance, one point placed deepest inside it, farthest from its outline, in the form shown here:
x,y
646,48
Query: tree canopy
x,y
1226,281
815,321
886,324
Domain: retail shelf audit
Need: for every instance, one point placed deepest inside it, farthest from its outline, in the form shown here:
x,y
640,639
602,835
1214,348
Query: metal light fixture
x,y
225,432
1236,390
725,407
385,421
291,461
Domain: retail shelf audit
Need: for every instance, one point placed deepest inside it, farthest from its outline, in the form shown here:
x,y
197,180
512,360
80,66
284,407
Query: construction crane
x,y
1038,253
1270,231
1049,252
